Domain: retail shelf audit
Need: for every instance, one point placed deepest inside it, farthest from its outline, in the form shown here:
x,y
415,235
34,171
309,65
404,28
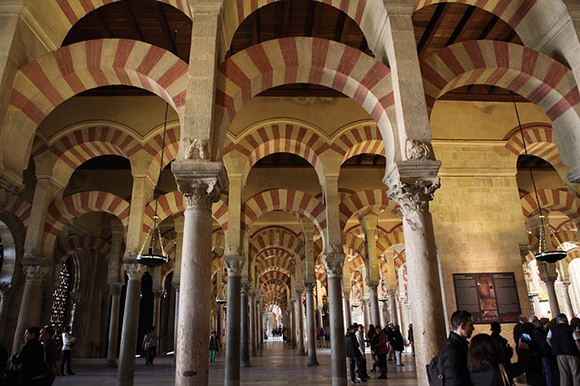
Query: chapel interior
x,y
305,164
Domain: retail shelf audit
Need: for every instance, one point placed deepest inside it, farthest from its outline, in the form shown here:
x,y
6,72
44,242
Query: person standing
x,y
411,338
322,337
50,350
214,346
68,342
150,346
379,343
518,328
30,359
398,344
501,344
360,338
565,344
453,355
354,354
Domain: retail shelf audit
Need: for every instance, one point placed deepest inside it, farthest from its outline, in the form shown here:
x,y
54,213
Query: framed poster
x,y
489,297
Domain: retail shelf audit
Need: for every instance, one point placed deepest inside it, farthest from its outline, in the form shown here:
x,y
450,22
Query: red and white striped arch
x,y
553,200
70,246
275,285
62,212
355,262
277,252
154,144
275,263
359,139
280,137
273,275
540,142
173,203
320,273
393,238
43,84
218,242
365,202
513,12
304,60
354,243
18,207
573,254
275,237
369,15
570,236
287,200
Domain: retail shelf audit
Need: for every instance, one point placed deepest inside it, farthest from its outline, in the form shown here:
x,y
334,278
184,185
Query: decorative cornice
x,y
235,264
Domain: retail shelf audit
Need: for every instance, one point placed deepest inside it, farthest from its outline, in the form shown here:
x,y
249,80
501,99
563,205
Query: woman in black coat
x,y
30,359
484,363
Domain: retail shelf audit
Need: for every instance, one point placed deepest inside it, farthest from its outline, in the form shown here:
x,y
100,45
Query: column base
x,y
246,364
315,363
111,364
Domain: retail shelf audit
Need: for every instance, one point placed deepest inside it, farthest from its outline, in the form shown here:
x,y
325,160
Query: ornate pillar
x,y
310,323
126,371
549,275
31,304
333,262
235,265
346,308
374,304
115,293
200,183
6,291
252,316
299,324
245,325
413,195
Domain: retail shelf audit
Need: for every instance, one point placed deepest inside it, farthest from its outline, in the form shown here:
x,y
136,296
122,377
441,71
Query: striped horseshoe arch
x,y
305,60
365,202
70,246
553,200
43,84
62,212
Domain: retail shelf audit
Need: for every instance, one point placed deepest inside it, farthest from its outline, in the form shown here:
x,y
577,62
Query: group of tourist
x,y
384,343
548,354
36,362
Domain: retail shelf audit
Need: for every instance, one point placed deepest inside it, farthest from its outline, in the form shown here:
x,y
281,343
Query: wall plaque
x,y
489,297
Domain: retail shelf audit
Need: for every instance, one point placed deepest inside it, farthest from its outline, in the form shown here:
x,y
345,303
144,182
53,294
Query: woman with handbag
x,y
485,366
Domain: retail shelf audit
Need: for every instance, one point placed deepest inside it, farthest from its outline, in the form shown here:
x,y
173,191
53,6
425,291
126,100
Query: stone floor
x,y
277,366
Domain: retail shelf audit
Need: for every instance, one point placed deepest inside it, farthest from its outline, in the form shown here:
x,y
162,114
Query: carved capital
x,y
115,289
199,193
392,293
334,263
36,273
234,264
372,284
413,196
246,287
157,294
134,271
309,286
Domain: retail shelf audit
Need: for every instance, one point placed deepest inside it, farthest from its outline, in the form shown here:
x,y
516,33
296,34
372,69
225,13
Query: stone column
x,y
346,308
366,311
115,292
6,291
333,262
252,316
75,299
320,319
245,325
567,301
311,323
175,322
30,306
549,275
234,264
200,183
393,308
292,321
299,324
413,195
374,304
157,309
126,371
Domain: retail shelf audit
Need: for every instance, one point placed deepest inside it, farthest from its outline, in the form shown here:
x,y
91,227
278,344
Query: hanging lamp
x,y
154,257
543,254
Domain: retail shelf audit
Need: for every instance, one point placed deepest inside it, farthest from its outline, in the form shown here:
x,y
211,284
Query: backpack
x,y
435,371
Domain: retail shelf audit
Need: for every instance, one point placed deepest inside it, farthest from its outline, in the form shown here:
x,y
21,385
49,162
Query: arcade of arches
x,y
323,161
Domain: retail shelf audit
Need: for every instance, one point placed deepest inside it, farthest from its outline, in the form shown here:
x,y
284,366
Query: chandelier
x,y
543,254
151,256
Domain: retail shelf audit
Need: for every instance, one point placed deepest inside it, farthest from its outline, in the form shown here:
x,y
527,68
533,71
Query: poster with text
x,y
489,297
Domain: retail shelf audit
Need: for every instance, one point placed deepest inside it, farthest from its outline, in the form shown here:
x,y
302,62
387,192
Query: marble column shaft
x,y
31,304
245,326
234,264
115,291
374,304
126,370
346,309
311,323
5,299
299,324
252,317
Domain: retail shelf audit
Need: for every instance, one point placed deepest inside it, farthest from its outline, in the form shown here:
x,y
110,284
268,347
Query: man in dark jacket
x,y
50,350
454,352
501,344
354,354
566,347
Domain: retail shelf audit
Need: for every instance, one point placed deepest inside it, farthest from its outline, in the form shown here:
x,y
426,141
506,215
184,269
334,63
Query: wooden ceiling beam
x,y
133,20
165,28
431,29
102,24
489,27
461,26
